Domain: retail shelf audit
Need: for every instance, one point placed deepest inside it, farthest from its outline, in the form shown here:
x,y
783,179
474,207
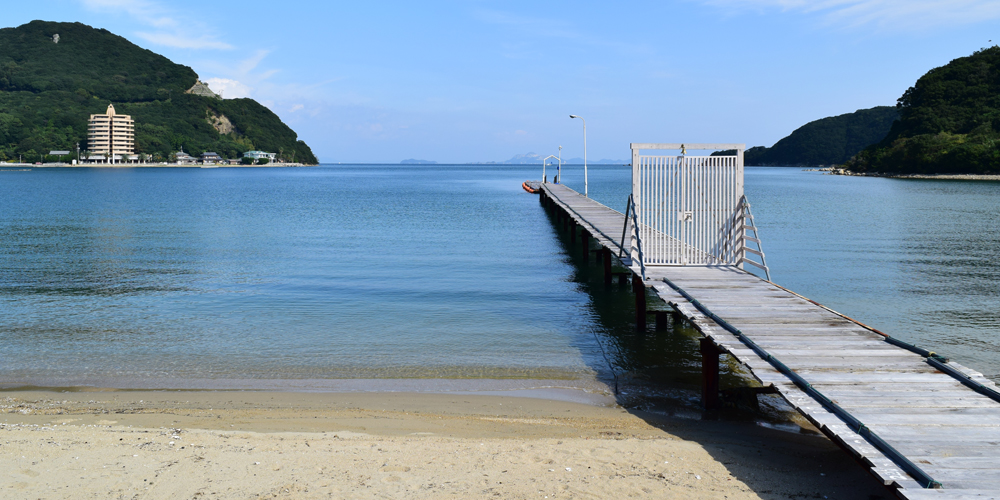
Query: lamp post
x,y
584,153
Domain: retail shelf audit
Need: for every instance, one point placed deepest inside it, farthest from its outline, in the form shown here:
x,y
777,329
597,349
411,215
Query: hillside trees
x,y
949,122
49,90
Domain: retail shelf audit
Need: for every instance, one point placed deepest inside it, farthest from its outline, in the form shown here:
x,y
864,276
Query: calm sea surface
x,y
303,278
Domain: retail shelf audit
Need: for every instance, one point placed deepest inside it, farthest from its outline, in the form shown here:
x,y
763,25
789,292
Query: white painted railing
x,y
688,209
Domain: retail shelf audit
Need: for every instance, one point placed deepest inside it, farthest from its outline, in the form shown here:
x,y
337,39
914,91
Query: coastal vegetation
x,y
49,87
949,123
827,141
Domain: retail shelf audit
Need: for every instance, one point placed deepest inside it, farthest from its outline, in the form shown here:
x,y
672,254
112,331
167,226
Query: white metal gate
x,y
689,209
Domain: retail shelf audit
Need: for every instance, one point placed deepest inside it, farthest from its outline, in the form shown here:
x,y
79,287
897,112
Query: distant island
x,y
536,159
949,123
412,161
53,76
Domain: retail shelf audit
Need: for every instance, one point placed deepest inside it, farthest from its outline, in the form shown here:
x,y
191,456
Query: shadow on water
x,y
657,373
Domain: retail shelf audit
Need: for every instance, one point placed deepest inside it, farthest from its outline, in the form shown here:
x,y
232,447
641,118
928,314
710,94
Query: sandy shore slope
x,y
396,445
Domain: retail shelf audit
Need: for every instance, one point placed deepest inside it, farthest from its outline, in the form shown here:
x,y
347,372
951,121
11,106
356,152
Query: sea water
x,y
430,277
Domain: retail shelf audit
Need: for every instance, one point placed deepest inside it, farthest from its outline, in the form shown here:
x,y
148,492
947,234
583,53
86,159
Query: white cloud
x,y
888,14
296,108
227,88
169,30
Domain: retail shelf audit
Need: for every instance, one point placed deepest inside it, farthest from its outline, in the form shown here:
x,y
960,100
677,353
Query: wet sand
x,y
201,444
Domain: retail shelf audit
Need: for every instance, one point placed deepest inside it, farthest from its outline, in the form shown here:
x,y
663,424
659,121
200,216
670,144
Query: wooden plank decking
x,y
942,426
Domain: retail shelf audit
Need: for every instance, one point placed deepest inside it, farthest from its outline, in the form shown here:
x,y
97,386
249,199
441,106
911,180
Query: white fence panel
x,y
688,208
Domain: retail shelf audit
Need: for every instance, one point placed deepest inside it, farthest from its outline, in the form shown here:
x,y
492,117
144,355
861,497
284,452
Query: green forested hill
x,y
949,122
828,141
49,90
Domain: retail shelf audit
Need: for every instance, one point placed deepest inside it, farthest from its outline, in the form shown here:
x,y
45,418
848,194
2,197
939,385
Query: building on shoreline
x,y
111,134
257,155
210,157
183,158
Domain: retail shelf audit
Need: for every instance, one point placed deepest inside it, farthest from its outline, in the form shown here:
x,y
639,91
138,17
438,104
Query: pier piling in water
x,y
709,374
606,256
639,289
661,320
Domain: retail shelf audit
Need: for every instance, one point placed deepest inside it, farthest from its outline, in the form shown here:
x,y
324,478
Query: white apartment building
x,y
111,133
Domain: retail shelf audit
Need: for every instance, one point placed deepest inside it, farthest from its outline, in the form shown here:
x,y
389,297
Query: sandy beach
x,y
160,444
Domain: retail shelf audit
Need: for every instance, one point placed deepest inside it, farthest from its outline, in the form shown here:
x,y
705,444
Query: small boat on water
x,y
532,187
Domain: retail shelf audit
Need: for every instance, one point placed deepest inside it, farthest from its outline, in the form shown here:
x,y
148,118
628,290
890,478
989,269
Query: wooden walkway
x,y
936,421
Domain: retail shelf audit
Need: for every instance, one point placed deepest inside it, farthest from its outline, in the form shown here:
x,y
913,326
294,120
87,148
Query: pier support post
x,y
709,374
661,320
606,255
639,288
585,240
572,231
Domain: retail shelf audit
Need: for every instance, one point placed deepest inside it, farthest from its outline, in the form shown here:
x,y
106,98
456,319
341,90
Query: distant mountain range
x,y
525,159
534,159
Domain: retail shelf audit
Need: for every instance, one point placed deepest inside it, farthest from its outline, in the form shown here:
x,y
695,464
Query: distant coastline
x,y
955,177
147,165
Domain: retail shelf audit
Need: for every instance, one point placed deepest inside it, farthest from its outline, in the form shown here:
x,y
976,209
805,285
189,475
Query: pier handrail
x,y
628,208
636,240
744,215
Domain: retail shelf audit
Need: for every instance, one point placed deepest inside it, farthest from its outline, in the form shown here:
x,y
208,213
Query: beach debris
x,y
568,469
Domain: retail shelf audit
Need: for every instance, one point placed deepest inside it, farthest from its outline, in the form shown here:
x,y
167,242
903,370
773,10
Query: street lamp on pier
x,y
584,153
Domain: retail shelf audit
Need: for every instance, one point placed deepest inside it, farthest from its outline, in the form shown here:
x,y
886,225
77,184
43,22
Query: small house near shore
x,y
210,157
257,155
184,158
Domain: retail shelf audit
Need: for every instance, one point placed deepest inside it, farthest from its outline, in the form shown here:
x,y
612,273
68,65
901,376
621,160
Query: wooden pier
x,y
925,426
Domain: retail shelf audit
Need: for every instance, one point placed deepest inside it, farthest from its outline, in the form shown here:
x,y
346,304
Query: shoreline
x,y
148,165
951,177
374,445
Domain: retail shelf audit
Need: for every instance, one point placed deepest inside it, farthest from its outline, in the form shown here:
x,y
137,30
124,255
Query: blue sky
x,y
459,81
